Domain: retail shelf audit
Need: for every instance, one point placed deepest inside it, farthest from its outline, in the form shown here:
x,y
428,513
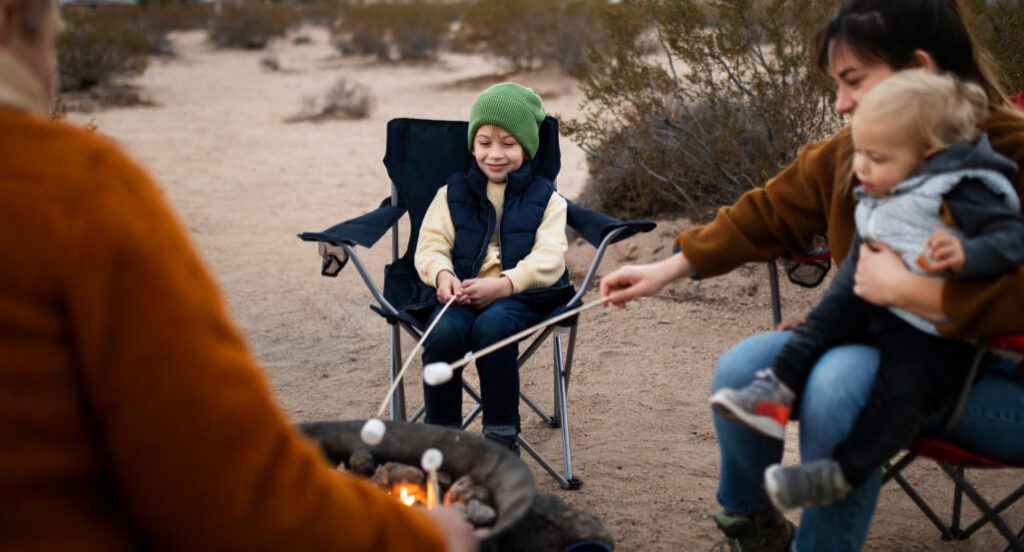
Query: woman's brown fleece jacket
x,y
802,201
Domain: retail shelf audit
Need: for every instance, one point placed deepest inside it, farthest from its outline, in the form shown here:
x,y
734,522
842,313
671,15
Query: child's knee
x,y
491,327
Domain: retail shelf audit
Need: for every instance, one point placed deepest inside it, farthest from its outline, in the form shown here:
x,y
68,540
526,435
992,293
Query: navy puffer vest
x,y
526,199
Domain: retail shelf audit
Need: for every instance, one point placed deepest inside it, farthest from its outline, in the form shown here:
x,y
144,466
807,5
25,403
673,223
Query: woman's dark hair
x,y
890,31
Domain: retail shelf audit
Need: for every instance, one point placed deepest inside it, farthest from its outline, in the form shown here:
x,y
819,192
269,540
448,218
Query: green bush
x,y
97,47
724,104
415,31
251,25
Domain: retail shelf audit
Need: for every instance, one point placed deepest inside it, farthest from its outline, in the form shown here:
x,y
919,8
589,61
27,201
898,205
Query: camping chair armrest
x,y
600,231
594,227
364,230
337,244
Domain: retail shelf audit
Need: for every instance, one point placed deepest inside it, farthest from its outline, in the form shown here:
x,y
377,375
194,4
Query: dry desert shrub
x,y
999,25
97,47
344,100
530,33
251,25
722,105
415,31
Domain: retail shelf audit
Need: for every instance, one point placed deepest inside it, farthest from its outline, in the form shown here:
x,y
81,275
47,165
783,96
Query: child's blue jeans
x,y
465,329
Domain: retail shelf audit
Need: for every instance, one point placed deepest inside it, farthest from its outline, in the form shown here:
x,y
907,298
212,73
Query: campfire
x,y
492,487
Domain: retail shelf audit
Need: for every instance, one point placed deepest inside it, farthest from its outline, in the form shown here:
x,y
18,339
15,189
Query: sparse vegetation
x,y
410,32
344,100
252,24
97,47
722,104
530,33
1000,27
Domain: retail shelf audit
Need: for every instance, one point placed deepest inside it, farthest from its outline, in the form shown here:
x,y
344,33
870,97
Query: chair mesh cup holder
x,y
807,272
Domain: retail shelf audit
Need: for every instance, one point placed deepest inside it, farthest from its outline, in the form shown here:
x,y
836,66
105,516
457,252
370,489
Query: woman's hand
x,y
481,292
880,273
458,533
632,281
449,286
882,279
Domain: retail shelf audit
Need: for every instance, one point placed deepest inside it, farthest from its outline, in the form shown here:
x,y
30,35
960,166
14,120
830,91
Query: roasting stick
x,y
430,462
437,373
470,357
373,429
412,355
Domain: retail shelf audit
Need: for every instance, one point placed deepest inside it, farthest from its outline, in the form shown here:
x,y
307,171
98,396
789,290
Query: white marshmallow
x,y
373,432
437,373
431,460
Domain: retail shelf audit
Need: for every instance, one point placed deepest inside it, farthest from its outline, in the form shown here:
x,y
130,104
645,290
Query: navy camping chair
x,y
420,155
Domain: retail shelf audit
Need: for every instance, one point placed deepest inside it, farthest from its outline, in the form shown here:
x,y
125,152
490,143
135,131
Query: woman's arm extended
x,y
632,281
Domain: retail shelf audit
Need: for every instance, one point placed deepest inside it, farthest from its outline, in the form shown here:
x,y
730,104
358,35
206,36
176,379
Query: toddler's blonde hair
x,y
942,109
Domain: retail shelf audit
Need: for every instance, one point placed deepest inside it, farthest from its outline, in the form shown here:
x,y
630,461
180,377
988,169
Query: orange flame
x,y
408,493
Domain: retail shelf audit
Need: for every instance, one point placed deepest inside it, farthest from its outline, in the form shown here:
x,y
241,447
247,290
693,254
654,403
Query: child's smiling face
x,y
497,152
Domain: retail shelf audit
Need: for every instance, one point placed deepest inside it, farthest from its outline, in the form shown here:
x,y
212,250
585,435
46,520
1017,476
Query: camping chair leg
x,y
998,508
773,283
958,501
476,408
418,413
569,357
893,472
563,410
988,513
398,398
1019,541
567,484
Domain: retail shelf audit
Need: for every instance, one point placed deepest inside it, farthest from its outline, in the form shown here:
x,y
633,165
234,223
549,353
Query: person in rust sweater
x,y
132,415
865,42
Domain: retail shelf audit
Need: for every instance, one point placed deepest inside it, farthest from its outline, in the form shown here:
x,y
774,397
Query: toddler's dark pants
x,y
918,373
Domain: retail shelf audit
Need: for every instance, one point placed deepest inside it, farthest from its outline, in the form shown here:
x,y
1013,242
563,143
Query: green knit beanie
x,y
515,108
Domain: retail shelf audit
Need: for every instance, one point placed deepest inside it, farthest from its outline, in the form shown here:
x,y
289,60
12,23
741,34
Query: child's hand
x,y
484,291
448,286
943,251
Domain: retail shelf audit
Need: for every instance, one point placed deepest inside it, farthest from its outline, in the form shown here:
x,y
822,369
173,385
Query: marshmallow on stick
x,y
371,429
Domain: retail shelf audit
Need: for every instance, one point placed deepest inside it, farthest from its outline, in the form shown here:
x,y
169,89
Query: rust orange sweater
x,y
132,415
786,214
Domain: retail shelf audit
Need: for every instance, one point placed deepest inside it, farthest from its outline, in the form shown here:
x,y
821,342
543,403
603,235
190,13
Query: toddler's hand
x,y
943,251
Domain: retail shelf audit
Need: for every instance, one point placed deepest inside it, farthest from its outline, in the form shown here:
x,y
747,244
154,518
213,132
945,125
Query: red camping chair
x,y
951,459
954,460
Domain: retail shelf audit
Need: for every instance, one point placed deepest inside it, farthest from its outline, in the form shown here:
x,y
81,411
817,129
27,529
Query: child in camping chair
x,y
930,188
493,238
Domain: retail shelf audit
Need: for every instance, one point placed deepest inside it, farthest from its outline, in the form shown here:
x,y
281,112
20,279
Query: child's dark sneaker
x,y
510,442
765,531
816,483
764,405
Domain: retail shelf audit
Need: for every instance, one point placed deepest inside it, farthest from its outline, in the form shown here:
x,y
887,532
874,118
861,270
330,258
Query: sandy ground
x,y
245,183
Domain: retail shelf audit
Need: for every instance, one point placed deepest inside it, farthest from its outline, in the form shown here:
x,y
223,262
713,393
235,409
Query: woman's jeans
x,y
839,386
465,329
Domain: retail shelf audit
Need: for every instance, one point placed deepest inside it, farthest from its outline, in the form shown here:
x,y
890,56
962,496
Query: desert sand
x,y
245,182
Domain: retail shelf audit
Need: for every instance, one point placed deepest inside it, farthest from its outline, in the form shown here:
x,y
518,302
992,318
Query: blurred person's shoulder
x,y
62,153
